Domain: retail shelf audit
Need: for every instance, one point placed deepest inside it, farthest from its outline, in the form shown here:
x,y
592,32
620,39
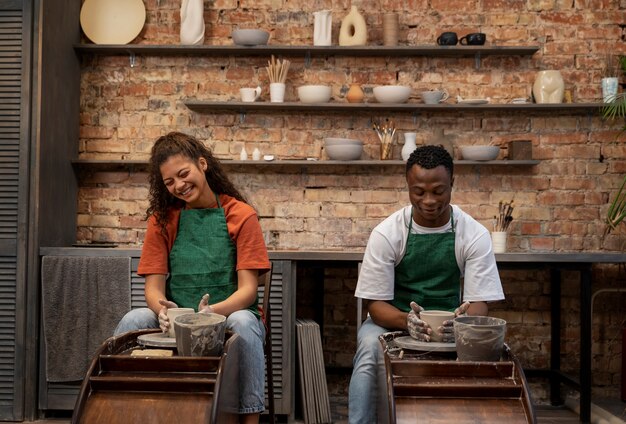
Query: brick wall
x,y
560,203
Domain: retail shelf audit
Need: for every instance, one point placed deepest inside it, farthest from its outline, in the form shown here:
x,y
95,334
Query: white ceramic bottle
x,y
256,154
409,145
192,22
243,155
322,28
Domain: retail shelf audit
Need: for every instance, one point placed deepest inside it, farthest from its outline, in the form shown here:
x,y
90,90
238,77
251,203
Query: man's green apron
x,y
203,259
428,273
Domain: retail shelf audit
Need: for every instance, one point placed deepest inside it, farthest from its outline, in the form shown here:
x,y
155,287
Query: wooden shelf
x,y
142,165
307,51
201,106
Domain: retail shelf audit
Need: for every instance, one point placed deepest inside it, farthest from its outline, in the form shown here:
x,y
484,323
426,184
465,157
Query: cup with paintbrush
x,y
277,73
501,223
386,132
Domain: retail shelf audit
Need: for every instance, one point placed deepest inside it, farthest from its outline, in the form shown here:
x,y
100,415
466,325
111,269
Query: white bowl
x,y
480,152
392,93
314,93
250,37
343,149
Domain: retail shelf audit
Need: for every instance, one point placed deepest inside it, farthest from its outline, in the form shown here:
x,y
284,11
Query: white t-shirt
x,y
472,246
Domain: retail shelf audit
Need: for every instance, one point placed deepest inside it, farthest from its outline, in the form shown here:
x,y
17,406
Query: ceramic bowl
x,y
480,152
392,93
343,148
250,37
314,93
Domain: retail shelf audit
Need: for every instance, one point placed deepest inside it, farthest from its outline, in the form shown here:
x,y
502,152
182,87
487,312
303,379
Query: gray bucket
x,y
479,338
200,334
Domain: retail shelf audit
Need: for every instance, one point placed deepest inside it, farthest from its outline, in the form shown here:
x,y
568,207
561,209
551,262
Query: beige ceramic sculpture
x,y
192,22
353,31
548,87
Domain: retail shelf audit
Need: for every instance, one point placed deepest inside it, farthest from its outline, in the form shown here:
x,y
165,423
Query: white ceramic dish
x,y
479,152
157,340
250,37
314,93
112,21
408,342
392,93
343,149
473,101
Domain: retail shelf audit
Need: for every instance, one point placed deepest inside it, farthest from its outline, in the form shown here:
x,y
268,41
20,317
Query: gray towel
x,y
83,300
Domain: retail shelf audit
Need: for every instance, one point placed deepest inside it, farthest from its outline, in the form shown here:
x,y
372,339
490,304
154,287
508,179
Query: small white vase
x,y
322,28
409,145
192,22
243,155
548,87
609,89
256,154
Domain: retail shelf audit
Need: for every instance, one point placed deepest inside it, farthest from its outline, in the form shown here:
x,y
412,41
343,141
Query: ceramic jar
x,y
322,28
192,22
355,94
353,31
548,87
609,89
409,145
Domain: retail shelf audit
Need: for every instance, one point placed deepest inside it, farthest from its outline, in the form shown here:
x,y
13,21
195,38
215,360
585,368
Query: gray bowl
x,y
250,37
343,149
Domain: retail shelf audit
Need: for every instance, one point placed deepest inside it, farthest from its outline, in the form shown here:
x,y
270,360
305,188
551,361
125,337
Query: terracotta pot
x,y
355,94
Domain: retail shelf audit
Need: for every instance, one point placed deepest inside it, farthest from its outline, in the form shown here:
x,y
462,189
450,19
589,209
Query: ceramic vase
x,y
353,31
355,94
548,87
192,22
609,89
409,145
391,29
322,28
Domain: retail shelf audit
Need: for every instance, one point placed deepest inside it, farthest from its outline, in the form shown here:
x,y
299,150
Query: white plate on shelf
x,y
473,101
408,342
112,21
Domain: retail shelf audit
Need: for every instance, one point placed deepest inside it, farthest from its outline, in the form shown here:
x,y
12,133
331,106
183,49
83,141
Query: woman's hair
x,y
430,156
175,143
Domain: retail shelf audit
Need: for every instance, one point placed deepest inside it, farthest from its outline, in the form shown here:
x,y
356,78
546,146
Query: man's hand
x,y
418,329
447,327
164,321
203,306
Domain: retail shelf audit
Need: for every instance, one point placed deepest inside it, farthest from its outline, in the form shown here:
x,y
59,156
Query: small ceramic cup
x,y
249,95
435,320
474,39
434,96
277,92
498,239
447,39
172,313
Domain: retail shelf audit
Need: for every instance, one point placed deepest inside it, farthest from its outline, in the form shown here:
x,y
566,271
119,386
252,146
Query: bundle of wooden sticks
x,y
502,221
277,69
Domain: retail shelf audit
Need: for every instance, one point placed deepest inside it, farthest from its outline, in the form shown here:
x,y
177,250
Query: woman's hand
x,y
164,321
417,328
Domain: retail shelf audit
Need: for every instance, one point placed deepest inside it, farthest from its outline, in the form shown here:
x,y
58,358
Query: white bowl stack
x,y
343,148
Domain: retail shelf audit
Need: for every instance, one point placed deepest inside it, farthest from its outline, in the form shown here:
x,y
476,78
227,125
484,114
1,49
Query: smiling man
x,y
415,260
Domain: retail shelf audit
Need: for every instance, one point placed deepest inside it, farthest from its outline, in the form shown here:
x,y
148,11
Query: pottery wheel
x,y
408,342
157,340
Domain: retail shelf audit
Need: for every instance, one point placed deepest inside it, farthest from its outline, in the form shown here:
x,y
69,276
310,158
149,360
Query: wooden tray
x,y
120,388
437,388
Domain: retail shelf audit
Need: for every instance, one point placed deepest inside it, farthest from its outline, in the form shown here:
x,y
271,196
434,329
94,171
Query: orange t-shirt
x,y
243,227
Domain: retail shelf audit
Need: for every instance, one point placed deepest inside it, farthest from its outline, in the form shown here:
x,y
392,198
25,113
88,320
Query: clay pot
x,y
355,94
479,338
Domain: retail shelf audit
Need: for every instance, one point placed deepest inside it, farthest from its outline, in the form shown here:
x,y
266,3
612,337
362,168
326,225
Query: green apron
x,y
203,259
428,273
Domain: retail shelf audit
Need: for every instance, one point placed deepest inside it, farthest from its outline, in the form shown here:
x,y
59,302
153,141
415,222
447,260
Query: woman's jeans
x,y
251,333
367,397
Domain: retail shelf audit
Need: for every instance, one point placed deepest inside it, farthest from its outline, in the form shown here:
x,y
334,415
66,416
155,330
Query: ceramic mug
x,y
249,95
474,39
447,39
434,96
